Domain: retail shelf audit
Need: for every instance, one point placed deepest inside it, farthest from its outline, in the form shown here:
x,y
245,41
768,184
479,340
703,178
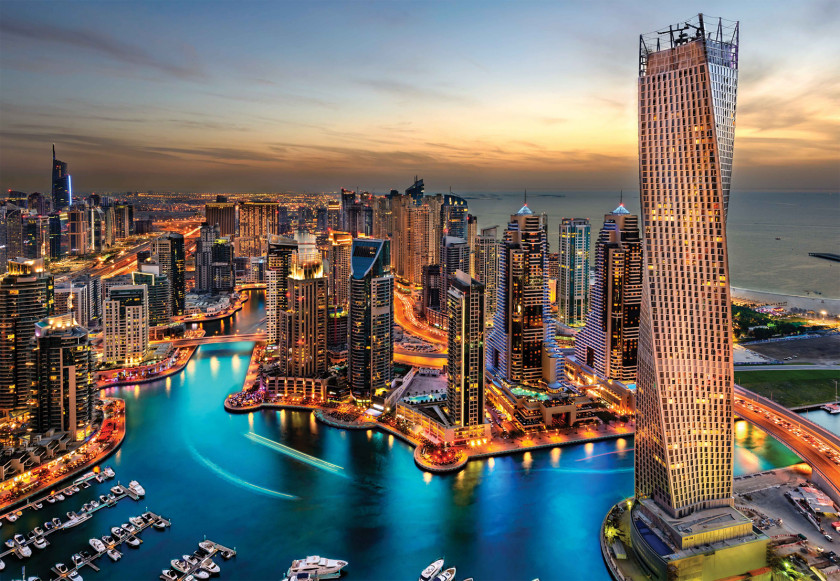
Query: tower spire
x,y
526,196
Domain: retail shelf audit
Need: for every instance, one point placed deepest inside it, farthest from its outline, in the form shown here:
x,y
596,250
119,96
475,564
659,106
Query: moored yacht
x,y
109,472
136,488
433,569
40,542
169,575
179,565
11,517
97,545
114,554
133,541
318,567
211,566
447,575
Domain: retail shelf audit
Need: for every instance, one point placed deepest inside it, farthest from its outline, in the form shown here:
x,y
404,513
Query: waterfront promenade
x,y
131,376
99,446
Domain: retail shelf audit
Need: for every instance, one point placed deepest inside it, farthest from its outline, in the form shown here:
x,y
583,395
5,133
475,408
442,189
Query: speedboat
x,y
72,514
51,499
114,554
94,504
117,532
69,491
99,478
38,531
77,559
109,472
11,517
97,545
209,564
447,575
40,542
61,568
19,539
431,571
128,527
159,524
179,565
76,488
59,497
207,546
136,488
76,520
56,522
169,575
201,574
190,559
38,506
74,576
118,489
86,507
48,525
133,541
103,499
136,521
108,540
2,565
318,567
23,551
10,543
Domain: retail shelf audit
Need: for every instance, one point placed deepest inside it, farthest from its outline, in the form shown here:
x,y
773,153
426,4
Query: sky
x,y
213,96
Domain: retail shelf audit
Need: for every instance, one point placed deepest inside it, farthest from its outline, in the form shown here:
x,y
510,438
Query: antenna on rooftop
x,y
526,196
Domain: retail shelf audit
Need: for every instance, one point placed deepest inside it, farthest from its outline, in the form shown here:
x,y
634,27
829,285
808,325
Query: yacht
x,y
133,541
448,575
24,552
77,559
38,506
56,522
76,520
11,517
40,542
179,565
118,489
433,569
74,576
61,568
128,527
117,532
108,540
51,499
169,575
97,545
210,565
318,567
159,524
201,574
136,521
114,554
59,497
136,488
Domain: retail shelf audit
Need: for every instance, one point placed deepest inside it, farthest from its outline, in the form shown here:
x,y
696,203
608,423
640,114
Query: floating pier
x,y
207,550
87,477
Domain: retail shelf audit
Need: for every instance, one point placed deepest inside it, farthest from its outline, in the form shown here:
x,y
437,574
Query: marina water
x,y
355,495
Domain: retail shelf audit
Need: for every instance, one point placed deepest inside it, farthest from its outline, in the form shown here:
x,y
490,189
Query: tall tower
x,y
573,271
303,337
340,247
687,87
168,250
222,214
521,346
609,342
371,336
281,253
257,220
62,188
208,233
65,393
26,297
487,268
126,324
465,389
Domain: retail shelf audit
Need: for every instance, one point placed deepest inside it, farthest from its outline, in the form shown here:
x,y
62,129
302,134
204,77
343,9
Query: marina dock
x,y
153,518
212,549
78,482
82,514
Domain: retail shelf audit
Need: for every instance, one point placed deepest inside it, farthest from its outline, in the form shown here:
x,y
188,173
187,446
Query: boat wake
x,y
605,454
235,479
297,455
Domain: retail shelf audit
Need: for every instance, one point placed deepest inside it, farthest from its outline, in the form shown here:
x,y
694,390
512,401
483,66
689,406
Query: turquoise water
x,y
512,517
830,422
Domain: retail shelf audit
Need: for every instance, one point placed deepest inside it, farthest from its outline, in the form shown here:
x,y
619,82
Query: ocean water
x,y
522,516
804,222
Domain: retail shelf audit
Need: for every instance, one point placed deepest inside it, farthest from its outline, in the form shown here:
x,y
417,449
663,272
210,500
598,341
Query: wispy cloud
x,y
97,42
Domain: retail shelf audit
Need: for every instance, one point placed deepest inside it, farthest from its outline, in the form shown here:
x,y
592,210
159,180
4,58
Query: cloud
x,y
410,91
97,42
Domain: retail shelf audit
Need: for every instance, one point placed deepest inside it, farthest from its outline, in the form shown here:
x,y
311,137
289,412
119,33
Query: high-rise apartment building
x,y
281,254
684,440
223,272
157,292
340,246
26,297
257,221
168,251
487,268
65,391
465,369
207,235
521,345
371,343
302,344
126,324
75,297
573,271
78,230
62,187
223,215
608,344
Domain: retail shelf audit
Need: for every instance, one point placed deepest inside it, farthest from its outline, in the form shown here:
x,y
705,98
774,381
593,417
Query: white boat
x,y
59,497
117,532
447,575
38,506
116,489
40,542
114,554
11,517
136,521
169,575
133,541
318,567
24,552
128,527
136,488
433,569
100,478
201,574
207,546
10,543
74,576
159,525
97,545
2,565
109,472
210,565
76,520
51,499
179,565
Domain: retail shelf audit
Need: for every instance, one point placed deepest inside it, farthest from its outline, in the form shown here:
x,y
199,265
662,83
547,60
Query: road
x,y
404,317
814,444
740,368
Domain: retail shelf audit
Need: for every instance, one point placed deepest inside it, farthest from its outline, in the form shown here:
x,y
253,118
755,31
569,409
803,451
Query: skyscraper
x,y
65,392
573,272
371,342
465,369
521,346
257,220
339,250
78,230
608,344
487,268
222,214
157,291
62,187
684,439
126,324
281,253
26,297
168,251
204,257
223,273
303,337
